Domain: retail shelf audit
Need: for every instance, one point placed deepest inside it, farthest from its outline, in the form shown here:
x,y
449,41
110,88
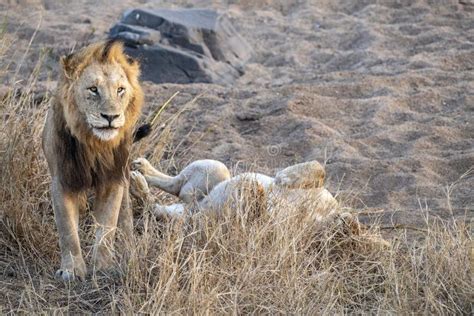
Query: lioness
x,y
86,141
208,183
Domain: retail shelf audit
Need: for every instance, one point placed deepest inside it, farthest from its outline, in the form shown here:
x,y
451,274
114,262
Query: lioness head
x,y
103,96
304,175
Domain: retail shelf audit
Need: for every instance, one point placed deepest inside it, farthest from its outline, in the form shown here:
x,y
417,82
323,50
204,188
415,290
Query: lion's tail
x,y
142,132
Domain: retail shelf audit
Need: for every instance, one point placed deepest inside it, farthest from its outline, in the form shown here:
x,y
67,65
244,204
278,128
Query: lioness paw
x,y
138,186
142,165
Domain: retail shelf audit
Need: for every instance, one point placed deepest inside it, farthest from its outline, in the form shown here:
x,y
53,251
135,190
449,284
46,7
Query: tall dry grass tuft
x,y
236,262
23,174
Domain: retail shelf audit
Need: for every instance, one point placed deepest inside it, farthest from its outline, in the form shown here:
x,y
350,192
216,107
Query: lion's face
x,y
102,94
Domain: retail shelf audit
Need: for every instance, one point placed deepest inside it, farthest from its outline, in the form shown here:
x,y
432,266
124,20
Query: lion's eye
x,y
93,89
120,90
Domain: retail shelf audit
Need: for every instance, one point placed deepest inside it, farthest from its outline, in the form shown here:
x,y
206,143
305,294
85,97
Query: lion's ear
x,y
131,61
66,64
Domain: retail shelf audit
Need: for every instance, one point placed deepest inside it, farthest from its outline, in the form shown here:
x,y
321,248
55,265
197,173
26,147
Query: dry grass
x,y
278,264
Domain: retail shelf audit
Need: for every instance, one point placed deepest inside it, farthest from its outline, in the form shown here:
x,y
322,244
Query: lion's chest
x,y
83,167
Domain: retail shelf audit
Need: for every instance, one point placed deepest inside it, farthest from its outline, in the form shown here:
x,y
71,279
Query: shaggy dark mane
x,y
81,168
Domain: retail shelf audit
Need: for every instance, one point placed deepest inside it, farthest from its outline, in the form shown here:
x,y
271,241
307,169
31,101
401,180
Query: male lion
x,y
86,141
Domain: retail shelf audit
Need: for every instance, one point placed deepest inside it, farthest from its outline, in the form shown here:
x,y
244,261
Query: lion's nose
x,y
109,118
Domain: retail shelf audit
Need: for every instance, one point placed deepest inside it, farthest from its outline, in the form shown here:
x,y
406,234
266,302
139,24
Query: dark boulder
x,y
184,45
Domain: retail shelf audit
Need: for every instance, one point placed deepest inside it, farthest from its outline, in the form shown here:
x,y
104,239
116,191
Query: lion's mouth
x,y
105,133
106,128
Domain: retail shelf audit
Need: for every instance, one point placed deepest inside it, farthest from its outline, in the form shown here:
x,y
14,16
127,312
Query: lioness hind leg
x,y
106,213
66,215
156,178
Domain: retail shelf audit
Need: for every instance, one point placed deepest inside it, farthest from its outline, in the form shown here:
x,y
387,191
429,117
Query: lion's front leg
x,y
106,212
66,215
125,219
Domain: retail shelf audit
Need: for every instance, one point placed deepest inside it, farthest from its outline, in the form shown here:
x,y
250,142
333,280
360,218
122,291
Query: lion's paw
x,y
65,275
68,275
71,270
103,260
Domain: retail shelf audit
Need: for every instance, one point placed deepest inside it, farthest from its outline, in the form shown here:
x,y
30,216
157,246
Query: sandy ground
x,y
381,91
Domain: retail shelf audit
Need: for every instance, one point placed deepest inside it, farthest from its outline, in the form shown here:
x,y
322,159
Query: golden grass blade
x,y
162,108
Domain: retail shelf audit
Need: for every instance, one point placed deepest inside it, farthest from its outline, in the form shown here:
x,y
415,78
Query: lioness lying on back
x,y
298,188
86,141
292,185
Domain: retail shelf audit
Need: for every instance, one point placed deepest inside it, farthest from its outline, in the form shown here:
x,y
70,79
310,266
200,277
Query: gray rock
x,y
183,46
